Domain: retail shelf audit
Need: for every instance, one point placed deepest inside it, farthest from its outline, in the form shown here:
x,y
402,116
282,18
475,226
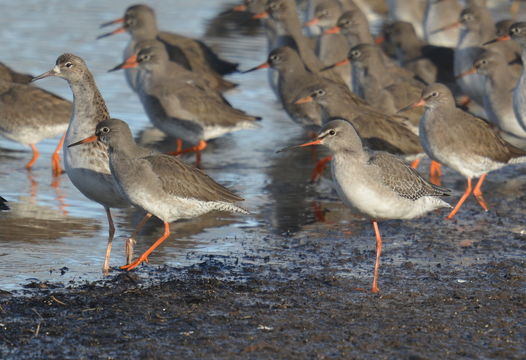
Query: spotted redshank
x,y
462,141
160,184
140,22
29,115
377,184
88,166
181,109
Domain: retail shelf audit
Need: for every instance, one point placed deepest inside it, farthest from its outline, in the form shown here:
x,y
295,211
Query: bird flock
x,y
439,79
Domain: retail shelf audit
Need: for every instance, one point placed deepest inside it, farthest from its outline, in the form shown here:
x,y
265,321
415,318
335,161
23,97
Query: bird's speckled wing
x,y
180,179
403,179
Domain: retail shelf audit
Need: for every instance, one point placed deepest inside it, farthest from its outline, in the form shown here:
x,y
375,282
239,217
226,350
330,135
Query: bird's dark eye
x,y
68,65
274,57
320,92
434,94
515,30
332,132
355,53
105,130
468,17
484,62
345,22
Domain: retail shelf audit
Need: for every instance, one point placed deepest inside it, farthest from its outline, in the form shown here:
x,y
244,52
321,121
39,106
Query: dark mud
x,y
449,292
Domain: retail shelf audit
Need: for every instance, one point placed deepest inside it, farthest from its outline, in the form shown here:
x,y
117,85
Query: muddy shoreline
x,y
259,307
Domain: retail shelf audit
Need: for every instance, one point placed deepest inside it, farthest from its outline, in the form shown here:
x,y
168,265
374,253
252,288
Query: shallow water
x,y
54,233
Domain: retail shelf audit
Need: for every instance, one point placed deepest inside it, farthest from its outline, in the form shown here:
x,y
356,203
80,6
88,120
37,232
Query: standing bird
x,y
88,166
517,32
140,22
29,115
180,108
462,141
377,184
500,81
159,184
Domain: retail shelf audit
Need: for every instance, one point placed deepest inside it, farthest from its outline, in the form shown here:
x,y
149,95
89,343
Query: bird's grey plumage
x,y
10,75
377,184
382,132
29,114
460,140
140,22
500,82
161,184
373,81
183,108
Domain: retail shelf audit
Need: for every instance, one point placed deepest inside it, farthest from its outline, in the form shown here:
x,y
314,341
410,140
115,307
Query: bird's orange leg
x,y
179,144
318,169
435,173
461,201
201,145
55,158
144,256
478,193
415,163
375,288
111,232
130,242
36,154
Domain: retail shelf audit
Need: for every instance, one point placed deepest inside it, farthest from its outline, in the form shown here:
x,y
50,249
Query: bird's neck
x,y
89,107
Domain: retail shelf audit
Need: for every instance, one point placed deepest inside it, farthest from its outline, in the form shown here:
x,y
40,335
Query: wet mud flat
x,y
453,290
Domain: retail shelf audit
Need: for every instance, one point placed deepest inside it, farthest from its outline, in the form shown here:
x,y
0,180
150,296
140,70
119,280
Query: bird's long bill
x,y
419,103
261,15
304,100
312,22
44,75
333,30
116,31
84,141
447,27
129,63
500,38
339,63
466,73
113,22
240,8
310,143
262,66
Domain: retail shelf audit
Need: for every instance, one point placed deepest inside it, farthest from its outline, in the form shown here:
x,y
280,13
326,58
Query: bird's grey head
x,y
317,93
152,54
470,18
488,62
340,135
327,13
350,21
363,54
399,32
113,132
68,66
281,58
518,32
279,9
137,16
437,95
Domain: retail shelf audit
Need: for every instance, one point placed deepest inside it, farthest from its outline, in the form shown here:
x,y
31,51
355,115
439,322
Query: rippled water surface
x,y
54,233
